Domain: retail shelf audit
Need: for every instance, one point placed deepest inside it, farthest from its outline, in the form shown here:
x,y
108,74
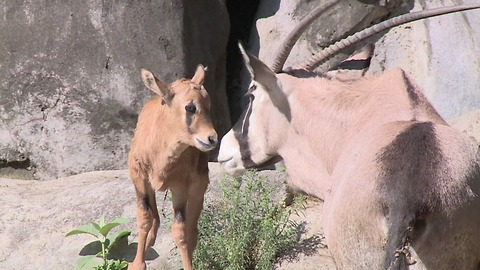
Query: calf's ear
x,y
156,85
199,76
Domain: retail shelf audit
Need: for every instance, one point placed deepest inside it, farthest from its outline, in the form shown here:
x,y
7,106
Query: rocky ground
x,y
36,215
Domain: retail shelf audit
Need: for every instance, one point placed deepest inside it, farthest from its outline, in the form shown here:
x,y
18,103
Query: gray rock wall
x,y
275,20
70,90
442,54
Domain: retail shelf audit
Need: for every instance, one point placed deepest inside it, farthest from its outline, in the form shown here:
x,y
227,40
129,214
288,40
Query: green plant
x,y
245,229
101,230
281,167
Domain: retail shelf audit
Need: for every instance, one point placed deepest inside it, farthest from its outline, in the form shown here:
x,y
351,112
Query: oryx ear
x,y
156,85
357,64
199,76
263,75
260,72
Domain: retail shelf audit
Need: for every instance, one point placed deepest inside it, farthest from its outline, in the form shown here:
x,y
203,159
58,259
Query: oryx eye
x,y
250,90
191,108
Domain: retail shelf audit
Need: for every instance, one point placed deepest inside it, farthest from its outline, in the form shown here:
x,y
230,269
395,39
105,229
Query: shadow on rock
x,y
308,246
122,250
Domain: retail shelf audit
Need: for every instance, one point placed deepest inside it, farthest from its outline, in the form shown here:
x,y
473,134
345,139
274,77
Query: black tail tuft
x,y
398,255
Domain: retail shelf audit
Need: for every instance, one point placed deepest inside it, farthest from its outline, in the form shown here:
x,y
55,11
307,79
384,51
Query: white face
x,y
229,155
246,145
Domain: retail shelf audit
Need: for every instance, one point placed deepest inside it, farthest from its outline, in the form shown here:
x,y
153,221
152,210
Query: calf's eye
x,y
191,108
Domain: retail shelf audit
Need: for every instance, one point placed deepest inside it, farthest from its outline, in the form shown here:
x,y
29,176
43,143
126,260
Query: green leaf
x,y
115,264
99,254
85,229
87,262
109,226
96,225
123,264
112,239
102,220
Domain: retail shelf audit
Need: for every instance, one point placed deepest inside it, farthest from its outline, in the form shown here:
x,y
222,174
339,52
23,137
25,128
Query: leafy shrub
x,y
246,229
101,230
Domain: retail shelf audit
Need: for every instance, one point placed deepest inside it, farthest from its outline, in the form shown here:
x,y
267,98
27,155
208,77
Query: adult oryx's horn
x,y
291,39
331,50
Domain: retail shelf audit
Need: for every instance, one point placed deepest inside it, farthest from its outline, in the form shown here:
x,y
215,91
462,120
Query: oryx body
x,y
399,184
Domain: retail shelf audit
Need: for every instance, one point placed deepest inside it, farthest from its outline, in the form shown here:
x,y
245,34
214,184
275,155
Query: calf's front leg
x,y
144,222
179,232
196,195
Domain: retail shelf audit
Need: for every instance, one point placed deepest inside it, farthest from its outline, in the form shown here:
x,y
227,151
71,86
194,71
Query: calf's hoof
x,y
137,266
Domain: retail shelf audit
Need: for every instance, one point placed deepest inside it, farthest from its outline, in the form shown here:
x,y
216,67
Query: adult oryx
x,y
400,185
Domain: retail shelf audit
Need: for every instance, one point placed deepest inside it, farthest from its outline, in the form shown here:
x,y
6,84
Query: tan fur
x,y
166,154
387,165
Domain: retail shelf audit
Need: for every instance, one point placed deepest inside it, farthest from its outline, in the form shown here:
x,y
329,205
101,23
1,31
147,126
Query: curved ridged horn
x,y
291,39
328,52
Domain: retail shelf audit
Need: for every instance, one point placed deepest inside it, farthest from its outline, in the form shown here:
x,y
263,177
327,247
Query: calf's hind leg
x,y
152,234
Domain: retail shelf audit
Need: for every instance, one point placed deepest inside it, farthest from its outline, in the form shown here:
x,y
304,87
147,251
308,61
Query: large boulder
x,y
469,124
69,75
276,19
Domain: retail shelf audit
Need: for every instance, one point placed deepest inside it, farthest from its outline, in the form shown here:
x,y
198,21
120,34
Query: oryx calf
x,y
173,134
